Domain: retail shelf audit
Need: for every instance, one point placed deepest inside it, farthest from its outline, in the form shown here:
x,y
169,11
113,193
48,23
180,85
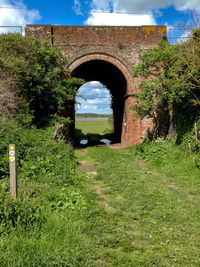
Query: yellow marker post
x,y
13,172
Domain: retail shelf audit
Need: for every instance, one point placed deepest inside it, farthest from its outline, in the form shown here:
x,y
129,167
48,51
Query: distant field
x,y
92,115
92,126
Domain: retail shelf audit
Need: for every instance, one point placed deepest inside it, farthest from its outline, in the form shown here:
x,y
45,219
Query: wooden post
x,y
13,172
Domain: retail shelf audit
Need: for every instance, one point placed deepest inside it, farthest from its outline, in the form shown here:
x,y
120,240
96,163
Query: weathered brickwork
x,y
119,46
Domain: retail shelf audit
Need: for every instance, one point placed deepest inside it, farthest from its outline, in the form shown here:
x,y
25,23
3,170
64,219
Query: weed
x,y
120,45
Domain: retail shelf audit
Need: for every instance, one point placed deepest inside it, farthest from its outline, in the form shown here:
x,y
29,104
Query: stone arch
x,y
123,68
116,76
89,43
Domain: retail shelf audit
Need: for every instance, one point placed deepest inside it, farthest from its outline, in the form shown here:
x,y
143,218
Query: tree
x,y
39,82
153,99
171,81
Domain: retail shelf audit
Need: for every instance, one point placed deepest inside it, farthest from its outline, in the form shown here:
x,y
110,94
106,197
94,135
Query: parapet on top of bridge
x,y
122,42
97,35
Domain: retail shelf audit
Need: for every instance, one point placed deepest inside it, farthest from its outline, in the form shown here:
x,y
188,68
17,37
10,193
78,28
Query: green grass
x,y
137,206
173,161
52,221
97,127
151,214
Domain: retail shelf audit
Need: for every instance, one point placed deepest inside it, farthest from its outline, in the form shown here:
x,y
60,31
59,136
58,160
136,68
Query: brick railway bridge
x,y
107,54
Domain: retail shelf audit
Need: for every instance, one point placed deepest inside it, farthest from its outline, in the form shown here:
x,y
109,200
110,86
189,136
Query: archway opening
x,y
94,116
113,79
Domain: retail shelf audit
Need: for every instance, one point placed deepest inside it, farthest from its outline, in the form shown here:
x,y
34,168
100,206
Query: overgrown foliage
x,y
33,79
171,83
48,224
33,158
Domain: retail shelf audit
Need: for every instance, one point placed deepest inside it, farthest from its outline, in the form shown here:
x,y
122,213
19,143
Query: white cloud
x,y
101,4
114,19
86,107
105,16
98,101
139,6
96,96
187,4
143,6
133,6
95,83
181,36
77,7
93,90
16,17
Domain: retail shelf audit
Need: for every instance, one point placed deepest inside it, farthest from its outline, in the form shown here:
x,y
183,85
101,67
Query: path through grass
x,y
148,218
132,207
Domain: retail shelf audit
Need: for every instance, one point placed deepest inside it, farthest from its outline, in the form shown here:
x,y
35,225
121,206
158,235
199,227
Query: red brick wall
x,y
120,46
41,32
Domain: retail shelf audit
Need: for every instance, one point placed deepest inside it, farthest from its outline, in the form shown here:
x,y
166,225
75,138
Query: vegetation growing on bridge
x,y
34,80
173,84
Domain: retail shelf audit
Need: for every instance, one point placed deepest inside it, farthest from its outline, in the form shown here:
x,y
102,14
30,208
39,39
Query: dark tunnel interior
x,y
110,76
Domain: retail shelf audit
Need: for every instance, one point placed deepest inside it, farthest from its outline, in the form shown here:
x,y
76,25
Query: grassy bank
x,y
176,162
51,222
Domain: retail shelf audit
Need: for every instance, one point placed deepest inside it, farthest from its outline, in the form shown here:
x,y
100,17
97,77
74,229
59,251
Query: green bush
x,y
151,151
43,165
35,77
171,86
39,157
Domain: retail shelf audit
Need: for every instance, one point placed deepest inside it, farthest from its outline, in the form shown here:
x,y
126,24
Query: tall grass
x,y
175,161
48,224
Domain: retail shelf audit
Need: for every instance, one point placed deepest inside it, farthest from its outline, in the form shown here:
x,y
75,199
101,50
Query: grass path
x,y
147,218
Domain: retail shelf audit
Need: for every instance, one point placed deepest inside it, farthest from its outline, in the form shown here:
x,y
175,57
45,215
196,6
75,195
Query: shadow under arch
x,y
106,72
116,76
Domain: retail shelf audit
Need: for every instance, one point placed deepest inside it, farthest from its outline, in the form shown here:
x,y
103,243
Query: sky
x,y
97,99
172,13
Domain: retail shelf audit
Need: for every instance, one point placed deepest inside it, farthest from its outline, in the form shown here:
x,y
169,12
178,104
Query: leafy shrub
x,y
78,134
38,156
35,77
151,151
66,198
171,83
44,165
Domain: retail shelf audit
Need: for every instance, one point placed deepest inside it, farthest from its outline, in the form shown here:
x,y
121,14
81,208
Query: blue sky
x,y
97,99
173,13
